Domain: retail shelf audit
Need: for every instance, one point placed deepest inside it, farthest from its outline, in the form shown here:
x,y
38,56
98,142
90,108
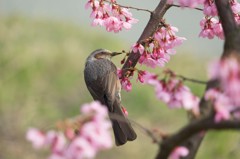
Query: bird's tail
x,y
122,128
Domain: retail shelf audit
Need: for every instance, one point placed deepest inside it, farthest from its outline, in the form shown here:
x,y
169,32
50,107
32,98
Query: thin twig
x,y
172,74
130,7
174,5
146,131
191,80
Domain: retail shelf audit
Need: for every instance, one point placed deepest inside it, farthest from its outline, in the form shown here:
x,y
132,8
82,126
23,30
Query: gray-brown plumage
x,y
101,78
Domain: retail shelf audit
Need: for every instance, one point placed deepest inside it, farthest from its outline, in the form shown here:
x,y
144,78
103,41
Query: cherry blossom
x,y
210,8
93,135
108,14
172,92
235,6
226,98
211,25
158,49
126,84
229,76
207,26
36,137
137,47
222,104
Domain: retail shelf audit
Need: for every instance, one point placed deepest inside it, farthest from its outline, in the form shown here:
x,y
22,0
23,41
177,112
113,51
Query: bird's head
x,y
102,54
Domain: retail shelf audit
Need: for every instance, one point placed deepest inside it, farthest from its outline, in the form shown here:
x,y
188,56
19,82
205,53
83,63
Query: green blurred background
x,y
41,82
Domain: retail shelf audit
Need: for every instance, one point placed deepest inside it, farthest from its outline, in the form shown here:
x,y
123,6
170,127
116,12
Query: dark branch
x,y
193,128
226,17
231,47
151,27
230,28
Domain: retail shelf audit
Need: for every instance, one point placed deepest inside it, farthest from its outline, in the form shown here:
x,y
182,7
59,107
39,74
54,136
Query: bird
x,y
101,79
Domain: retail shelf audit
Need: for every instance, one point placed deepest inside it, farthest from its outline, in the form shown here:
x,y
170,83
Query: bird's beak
x,y
115,53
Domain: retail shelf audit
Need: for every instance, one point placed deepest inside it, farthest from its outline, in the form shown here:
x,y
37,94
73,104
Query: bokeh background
x,y
43,46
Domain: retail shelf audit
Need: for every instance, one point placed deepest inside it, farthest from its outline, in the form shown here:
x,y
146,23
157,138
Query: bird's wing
x,y
106,87
111,88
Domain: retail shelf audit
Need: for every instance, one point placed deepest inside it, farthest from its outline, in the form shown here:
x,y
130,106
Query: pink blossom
x,y
57,141
235,6
93,136
237,18
228,72
113,24
140,76
119,73
80,148
211,94
126,84
218,30
36,137
226,98
189,101
127,25
158,51
98,21
97,108
222,104
181,95
179,152
150,78
113,17
172,92
210,8
97,133
137,47
207,26
149,61
125,81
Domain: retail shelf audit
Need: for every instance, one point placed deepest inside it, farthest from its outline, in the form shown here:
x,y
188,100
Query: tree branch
x,y
152,25
231,47
230,28
193,128
226,17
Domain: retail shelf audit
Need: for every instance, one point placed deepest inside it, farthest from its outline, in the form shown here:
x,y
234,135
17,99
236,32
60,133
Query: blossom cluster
x,y
173,92
156,50
125,80
225,99
211,25
110,15
93,135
